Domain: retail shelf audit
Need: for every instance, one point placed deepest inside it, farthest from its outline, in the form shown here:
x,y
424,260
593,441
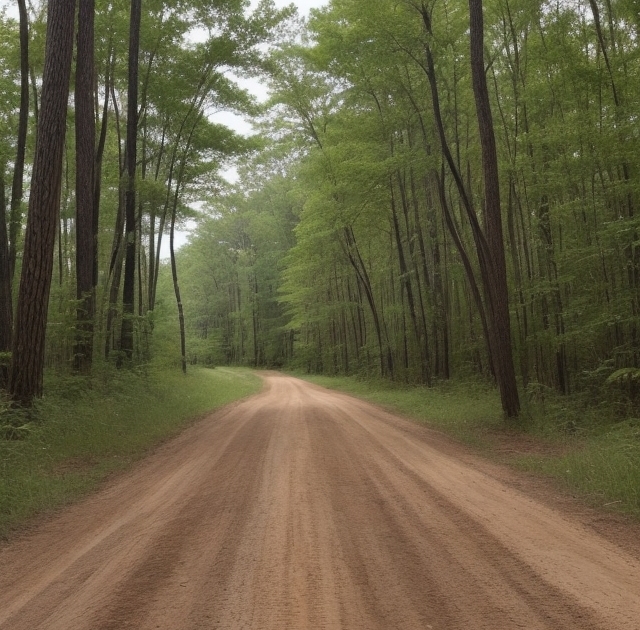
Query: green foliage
x,y
601,462
230,279
192,61
351,101
624,375
86,428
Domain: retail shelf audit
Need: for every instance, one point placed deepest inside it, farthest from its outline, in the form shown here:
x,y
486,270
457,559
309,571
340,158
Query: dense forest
x,y
374,235
435,190
106,120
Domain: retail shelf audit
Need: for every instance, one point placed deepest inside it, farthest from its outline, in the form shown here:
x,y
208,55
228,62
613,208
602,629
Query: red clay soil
x,y
302,508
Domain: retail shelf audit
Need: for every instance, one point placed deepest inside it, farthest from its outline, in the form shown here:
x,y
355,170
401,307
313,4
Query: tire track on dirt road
x,y
301,508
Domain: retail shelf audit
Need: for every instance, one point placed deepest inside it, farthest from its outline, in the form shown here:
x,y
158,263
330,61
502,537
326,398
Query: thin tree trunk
x,y
117,249
176,288
128,291
195,106
411,237
111,342
479,240
98,160
6,308
362,276
174,268
254,317
85,187
152,236
15,220
466,263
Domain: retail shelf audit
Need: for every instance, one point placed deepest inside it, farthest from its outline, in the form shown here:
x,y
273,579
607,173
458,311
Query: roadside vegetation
x,y
592,449
83,430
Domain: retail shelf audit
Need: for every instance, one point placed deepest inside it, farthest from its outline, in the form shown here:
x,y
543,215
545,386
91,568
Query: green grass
x,y
593,450
83,430
602,465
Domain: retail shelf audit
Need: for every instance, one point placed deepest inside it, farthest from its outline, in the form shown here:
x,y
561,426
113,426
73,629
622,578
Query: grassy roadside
x,y
78,434
588,449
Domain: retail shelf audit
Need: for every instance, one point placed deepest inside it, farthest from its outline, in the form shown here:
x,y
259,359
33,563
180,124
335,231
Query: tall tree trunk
x,y
128,290
549,268
85,187
176,288
478,237
195,108
117,248
414,234
497,280
174,210
152,231
6,308
27,361
15,220
97,178
254,318
115,278
466,263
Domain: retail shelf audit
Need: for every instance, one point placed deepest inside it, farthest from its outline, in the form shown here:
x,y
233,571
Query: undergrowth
x,y
83,429
591,446
601,455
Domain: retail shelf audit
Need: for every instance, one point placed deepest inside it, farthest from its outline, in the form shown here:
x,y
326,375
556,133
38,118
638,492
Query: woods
x,y
436,190
116,147
453,172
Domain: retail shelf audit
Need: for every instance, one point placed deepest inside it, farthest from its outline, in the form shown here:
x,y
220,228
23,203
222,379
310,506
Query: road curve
x,y
302,508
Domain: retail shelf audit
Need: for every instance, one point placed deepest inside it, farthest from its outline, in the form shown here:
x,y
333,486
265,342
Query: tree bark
x,y
117,247
6,308
128,290
174,267
85,187
27,363
481,246
97,177
497,280
176,289
15,220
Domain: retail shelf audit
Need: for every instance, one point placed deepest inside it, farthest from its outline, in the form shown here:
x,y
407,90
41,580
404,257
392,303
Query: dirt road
x,y
301,509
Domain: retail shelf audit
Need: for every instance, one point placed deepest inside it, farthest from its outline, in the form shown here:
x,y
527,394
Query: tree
x,y
85,186
230,275
130,193
6,311
27,360
15,219
9,237
497,272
